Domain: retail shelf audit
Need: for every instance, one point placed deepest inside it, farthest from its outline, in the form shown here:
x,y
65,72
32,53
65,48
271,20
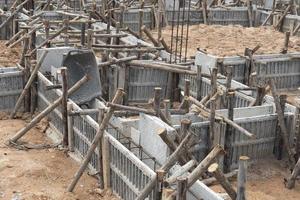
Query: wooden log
x,y
162,133
82,34
167,107
47,31
106,162
141,22
204,11
181,188
203,165
249,10
212,126
212,180
168,194
63,72
160,174
280,115
70,128
45,112
213,81
286,43
27,75
184,169
228,80
279,23
165,45
166,166
184,127
89,38
150,36
24,51
290,182
157,99
28,84
117,61
218,174
129,50
242,177
261,92
96,140
131,108
112,35
199,82
100,150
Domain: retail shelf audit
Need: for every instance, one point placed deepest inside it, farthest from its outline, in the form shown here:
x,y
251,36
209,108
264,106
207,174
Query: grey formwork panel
x,y
131,18
282,67
11,85
142,82
196,16
235,16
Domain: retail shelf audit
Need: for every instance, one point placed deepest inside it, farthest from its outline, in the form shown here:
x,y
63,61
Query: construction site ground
x,y
265,181
229,40
39,174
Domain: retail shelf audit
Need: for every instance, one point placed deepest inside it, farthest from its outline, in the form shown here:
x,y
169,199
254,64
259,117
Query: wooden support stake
x,y
286,43
181,188
28,84
96,140
212,127
70,128
165,45
141,21
160,174
279,23
150,36
106,163
203,165
250,16
199,82
242,177
89,38
280,115
213,81
218,174
157,98
261,92
63,72
45,112
184,127
290,182
212,180
204,11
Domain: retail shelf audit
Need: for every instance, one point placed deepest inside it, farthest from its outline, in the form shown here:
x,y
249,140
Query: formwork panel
x,y
11,85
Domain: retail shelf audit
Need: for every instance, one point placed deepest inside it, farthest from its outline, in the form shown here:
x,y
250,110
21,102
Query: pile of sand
x,y
231,40
9,56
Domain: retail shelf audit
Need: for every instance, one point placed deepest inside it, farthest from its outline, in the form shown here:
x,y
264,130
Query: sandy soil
x,y
39,174
232,40
265,182
9,56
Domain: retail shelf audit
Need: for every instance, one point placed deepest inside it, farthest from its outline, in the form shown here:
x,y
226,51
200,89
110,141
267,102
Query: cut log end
x,y
213,167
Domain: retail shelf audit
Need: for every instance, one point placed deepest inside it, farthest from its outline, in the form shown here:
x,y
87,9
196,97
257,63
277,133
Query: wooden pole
x,y
212,127
279,23
290,182
261,92
167,107
63,72
203,165
160,174
286,43
199,82
70,128
165,167
184,127
141,16
165,45
89,38
204,11
212,180
28,84
181,188
97,138
218,174
24,51
45,112
157,98
249,8
280,115
150,36
242,177
106,163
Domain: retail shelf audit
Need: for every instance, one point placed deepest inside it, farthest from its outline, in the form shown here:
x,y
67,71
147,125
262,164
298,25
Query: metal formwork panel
x,y
11,85
131,18
236,16
196,16
142,82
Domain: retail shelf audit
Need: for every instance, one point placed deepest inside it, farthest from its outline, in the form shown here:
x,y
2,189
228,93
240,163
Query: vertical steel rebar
x,y
187,31
182,26
173,19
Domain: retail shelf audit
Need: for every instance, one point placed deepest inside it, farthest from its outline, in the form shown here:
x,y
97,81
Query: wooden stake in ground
x,y
28,84
290,182
117,99
286,43
181,188
45,112
242,177
63,72
280,115
218,174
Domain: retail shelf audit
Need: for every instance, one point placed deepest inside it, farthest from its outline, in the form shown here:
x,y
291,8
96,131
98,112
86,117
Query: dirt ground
x,y
265,182
232,39
9,56
42,174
